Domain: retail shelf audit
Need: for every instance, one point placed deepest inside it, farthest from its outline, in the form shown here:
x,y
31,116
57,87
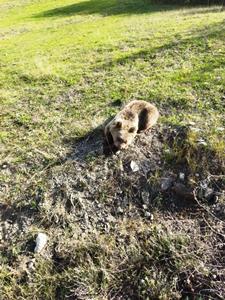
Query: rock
x,y
41,241
194,129
208,193
201,142
191,123
6,225
134,166
149,215
111,219
145,207
120,210
30,264
166,183
220,128
181,176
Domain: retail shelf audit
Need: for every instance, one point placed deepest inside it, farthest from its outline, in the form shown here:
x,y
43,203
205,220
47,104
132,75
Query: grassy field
x,y
64,68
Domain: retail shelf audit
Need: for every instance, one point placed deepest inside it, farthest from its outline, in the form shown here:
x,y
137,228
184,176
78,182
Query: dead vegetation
x,y
151,229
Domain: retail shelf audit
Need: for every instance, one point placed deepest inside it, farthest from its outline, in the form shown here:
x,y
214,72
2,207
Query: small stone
x,y
119,210
217,209
194,129
134,166
202,142
191,123
181,176
6,225
145,207
41,241
147,214
166,183
31,263
220,129
111,219
208,192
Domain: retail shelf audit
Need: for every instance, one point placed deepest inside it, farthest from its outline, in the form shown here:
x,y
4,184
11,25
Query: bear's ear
x,y
143,120
108,136
118,124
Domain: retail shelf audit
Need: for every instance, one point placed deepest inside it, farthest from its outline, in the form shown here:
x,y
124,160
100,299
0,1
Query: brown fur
x,y
135,117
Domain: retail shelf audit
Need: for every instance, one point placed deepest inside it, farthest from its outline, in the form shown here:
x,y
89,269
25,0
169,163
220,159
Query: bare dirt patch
x,y
88,195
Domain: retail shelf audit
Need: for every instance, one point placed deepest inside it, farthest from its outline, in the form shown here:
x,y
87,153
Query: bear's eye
x,y
131,130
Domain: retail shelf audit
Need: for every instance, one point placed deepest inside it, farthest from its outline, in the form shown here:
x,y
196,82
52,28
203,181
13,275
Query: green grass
x,y
105,50
62,64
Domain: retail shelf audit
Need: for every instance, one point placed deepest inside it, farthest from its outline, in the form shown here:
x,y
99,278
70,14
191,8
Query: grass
x,y
63,63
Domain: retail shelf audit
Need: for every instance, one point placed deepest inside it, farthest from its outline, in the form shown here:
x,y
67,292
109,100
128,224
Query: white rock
x,y
134,166
166,183
208,192
119,210
220,129
145,206
41,241
181,176
191,123
30,264
202,142
194,129
147,214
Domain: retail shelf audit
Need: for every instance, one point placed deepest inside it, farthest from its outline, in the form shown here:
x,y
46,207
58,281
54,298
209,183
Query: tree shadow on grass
x,y
196,38
115,7
105,8
177,48
203,10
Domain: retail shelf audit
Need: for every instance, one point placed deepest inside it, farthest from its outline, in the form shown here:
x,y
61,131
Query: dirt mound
x,y
151,185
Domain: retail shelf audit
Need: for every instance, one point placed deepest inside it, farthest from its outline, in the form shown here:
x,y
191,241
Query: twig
x,y
206,209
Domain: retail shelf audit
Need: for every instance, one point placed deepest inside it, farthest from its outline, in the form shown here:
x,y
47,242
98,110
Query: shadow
x,y
203,10
91,145
197,37
106,8
178,47
94,143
